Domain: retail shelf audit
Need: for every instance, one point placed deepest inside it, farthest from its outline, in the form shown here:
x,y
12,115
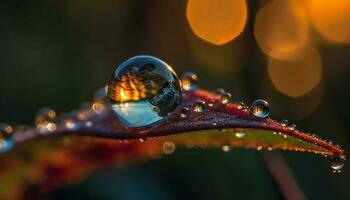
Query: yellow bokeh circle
x,y
298,77
217,21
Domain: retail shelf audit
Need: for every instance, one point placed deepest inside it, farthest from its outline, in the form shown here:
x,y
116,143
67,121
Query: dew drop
x,y
260,108
47,127
292,127
284,123
337,163
199,106
225,98
6,139
168,147
226,148
259,148
240,105
211,103
143,90
71,124
239,132
99,105
189,81
184,112
44,116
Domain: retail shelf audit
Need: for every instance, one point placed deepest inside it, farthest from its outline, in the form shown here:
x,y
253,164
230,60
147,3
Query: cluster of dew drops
x,y
47,121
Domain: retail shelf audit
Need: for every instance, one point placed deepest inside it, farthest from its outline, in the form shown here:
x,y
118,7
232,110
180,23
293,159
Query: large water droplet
x,y
189,81
6,139
337,163
260,108
143,90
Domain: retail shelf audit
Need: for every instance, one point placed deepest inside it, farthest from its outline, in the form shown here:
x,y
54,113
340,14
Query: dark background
x,y
57,53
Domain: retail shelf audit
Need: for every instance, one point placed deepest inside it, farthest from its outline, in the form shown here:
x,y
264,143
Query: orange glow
x,y
330,18
217,22
296,78
281,29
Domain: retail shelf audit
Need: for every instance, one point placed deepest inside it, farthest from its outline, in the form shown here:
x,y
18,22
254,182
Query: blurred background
x,y
293,53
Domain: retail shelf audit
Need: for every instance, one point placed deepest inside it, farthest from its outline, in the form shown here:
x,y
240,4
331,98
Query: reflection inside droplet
x,y
144,90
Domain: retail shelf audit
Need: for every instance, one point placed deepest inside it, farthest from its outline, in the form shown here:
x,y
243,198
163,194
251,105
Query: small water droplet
x,y
184,112
71,124
168,147
259,148
269,148
44,116
199,106
239,132
142,139
292,127
284,122
260,108
337,163
223,130
214,124
240,105
189,81
144,90
47,127
226,148
225,98
6,139
211,103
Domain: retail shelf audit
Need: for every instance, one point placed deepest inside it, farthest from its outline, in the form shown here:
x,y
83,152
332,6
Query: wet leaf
x,y
52,162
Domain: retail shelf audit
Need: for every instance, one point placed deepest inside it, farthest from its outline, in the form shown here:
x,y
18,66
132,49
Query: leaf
x,y
219,125
260,132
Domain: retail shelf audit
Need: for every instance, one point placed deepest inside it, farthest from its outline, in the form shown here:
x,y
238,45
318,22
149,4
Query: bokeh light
x,y
330,18
298,77
281,29
217,23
